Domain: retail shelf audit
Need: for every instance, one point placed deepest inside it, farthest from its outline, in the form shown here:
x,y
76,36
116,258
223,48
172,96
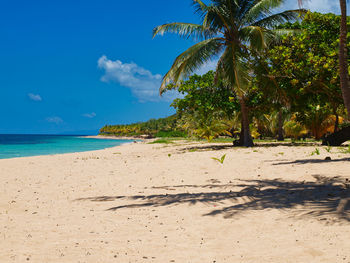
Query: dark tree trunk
x,y
337,138
336,124
245,131
280,126
241,135
343,58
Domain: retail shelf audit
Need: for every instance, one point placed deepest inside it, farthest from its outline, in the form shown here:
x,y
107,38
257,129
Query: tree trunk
x,y
247,138
343,58
280,126
336,124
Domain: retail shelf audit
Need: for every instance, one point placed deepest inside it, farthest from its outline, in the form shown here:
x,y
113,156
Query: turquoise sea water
x,y
15,145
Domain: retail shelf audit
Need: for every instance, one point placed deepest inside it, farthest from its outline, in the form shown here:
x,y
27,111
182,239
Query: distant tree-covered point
x,y
163,127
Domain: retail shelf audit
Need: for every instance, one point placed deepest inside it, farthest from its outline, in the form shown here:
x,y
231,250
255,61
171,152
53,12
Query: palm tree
x,y
230,31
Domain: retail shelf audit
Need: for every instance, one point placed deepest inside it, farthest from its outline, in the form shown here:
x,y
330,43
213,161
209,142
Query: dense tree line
x,y
163,127
293,90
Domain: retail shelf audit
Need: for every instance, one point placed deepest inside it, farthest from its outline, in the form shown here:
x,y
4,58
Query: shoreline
x,y
131,141
112,137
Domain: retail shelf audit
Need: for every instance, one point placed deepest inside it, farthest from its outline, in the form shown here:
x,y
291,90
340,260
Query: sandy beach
x,y
145,202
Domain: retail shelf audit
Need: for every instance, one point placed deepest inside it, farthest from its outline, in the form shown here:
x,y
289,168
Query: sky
x,y
72,66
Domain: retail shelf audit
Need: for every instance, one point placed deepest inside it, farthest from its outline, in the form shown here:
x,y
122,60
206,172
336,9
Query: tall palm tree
x,y
230,31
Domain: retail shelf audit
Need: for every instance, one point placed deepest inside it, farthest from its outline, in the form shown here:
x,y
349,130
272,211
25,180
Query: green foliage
x,y
294,129
161,141
305,66
221,160
205,106
167,134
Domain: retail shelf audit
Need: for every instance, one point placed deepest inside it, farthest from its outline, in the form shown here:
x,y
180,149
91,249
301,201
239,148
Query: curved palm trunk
x,y
247,138
343,58
280,126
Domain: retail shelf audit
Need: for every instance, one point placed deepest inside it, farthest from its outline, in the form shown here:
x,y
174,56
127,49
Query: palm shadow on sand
x,y
224,146
305,161
325,198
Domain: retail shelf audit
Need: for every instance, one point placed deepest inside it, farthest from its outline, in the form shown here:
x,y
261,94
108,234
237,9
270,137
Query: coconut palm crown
x,y
229,31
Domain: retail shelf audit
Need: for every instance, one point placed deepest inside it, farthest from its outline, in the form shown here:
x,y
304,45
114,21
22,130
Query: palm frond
x,y
190,60
233,70
216,18
199,6
260,10
280,18
255,36
185,30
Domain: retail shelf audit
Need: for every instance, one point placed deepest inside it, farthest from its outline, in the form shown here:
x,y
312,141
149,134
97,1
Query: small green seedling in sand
x,y
281,153
328,148
317,152
169,155
255,151
221,160
192,150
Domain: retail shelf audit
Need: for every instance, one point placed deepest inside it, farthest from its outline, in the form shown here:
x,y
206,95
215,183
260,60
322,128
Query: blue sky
x,y
75,65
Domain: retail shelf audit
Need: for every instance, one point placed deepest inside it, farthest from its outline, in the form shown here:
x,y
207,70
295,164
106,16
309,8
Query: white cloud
x,y
143,83
35,97
322,6
54,119
90,115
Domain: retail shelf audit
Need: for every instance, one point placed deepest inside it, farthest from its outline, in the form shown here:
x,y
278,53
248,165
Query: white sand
x,y
135,203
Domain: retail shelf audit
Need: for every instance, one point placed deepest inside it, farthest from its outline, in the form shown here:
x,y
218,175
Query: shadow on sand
x,y
327,197
223,146
305,161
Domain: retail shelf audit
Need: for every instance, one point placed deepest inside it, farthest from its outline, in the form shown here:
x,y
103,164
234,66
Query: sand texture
x,y
173,203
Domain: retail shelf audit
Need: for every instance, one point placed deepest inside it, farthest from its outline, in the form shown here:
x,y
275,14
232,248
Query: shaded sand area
x,y
173,203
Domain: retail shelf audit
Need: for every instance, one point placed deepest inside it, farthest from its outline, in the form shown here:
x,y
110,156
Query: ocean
x,y
18,145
